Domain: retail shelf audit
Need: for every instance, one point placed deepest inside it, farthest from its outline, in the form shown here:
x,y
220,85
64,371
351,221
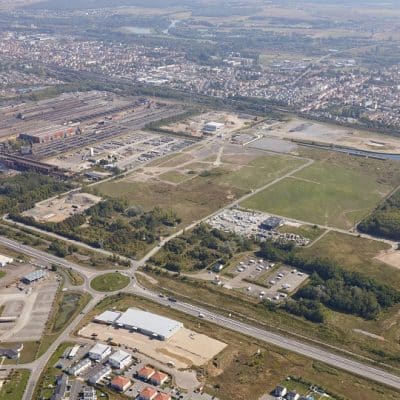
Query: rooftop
x,y
149,322
99,348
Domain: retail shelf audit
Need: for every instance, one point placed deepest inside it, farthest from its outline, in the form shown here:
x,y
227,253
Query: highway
x,y
279,340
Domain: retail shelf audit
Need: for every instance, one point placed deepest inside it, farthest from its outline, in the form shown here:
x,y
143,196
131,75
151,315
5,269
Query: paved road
x,y
279,340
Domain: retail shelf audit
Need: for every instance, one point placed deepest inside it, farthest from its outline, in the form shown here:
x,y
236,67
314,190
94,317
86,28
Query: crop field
x,y
200,181
328,192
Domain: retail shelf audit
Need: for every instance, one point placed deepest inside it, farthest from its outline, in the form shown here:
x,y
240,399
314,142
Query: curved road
x,y
308,350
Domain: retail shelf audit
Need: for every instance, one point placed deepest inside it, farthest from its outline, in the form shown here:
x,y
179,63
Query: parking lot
x,y
258,278
31,306
127,151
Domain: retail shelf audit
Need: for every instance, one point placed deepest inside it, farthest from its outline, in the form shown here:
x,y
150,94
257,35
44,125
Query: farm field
x,y
199,182
336,192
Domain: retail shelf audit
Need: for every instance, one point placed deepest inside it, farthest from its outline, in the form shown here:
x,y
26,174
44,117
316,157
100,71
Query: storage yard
x,y
211,123
58,209
254,224
125,152
26,309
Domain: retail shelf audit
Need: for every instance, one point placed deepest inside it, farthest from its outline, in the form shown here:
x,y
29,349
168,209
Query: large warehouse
x,y
149,324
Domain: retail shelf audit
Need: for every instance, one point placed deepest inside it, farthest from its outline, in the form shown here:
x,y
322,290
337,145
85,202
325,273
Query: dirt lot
x,y
325,133
391,257
185,348
57,210
193,126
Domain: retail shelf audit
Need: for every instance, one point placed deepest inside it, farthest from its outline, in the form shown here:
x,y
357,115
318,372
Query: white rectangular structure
x,y
74,351
99,352
4,260
120,359
107,317
149,324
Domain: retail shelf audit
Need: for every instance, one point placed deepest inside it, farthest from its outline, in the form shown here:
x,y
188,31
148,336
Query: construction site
x,y
60,208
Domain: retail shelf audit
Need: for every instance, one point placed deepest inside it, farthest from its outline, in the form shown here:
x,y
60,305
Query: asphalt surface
x,y
305,349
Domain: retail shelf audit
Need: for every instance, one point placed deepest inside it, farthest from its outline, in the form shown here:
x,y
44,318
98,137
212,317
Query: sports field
x,y
327,193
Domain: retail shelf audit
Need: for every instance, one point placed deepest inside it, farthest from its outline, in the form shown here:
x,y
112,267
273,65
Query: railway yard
x,y
75,131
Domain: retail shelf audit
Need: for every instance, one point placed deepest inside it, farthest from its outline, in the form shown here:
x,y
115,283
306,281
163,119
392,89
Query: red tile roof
x,y
159,377
162,396
147,393
146,372
120,381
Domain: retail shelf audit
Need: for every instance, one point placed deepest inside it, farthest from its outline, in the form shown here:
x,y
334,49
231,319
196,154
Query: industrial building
x,y
99,352
99,374
34,276
120,359
49,134
271,223
80,367
212,127
149,324
107,317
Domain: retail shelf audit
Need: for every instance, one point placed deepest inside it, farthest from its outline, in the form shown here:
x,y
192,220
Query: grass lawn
x,y
28,354
247,368
260,171
326,193
74,277
14,387
110,282
2,274
67,306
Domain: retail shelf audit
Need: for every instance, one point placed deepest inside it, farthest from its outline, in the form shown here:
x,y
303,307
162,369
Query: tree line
x,y
332,286
385,220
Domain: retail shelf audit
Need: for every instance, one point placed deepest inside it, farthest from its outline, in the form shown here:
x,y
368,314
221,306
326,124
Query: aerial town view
x,y
200,200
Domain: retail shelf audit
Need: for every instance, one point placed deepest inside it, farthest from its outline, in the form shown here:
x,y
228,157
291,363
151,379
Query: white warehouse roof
x,y
119,356
99,349
147,322
108,317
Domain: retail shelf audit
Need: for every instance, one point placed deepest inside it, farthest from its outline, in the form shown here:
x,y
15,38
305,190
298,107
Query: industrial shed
x,y
149,324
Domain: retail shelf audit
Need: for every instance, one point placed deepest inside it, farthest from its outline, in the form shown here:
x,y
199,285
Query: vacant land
x,y
199,182
355,254
337,191
110,282
14,387
246,369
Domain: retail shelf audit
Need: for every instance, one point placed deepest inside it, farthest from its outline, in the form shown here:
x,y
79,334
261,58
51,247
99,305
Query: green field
x,y
173,177
212,188
14,387
325,193
355,254
110,282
